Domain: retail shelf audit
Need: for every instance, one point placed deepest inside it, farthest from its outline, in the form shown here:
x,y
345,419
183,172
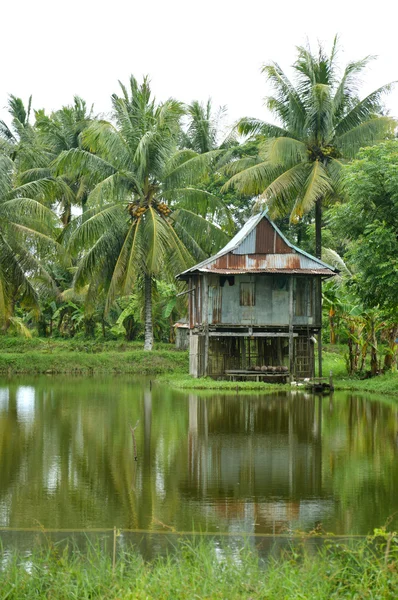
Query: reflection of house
x,y
255,304
257,461
270,448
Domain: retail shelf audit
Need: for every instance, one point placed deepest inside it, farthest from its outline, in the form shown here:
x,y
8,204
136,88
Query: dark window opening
x,y
227,278
279,283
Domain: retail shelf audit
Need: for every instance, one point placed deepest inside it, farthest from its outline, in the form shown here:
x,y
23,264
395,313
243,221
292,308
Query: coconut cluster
x,y
163,209
136,210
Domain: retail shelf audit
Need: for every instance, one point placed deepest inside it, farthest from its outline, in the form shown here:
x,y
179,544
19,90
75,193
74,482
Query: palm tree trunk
x,y
373,351
148,343
318,228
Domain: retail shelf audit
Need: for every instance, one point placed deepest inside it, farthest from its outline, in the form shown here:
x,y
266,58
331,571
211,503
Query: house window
x,y
304,305
247,294
279,283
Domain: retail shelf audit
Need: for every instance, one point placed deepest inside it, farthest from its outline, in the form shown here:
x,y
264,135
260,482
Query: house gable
x,y
259,247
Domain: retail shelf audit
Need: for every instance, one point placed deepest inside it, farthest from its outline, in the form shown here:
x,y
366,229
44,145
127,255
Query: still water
x,y
218,463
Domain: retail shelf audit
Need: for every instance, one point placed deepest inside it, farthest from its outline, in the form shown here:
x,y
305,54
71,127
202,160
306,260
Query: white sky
x,y
191,50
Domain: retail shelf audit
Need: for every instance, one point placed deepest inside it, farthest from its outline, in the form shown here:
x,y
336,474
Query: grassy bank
x,y
203,571
186,382
79,356
20,356
333,360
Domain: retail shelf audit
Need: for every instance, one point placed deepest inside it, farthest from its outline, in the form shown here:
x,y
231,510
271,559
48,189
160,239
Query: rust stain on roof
x,y
229,271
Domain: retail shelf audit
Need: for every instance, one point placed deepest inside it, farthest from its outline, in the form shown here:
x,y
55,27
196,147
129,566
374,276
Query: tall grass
x,y
205,570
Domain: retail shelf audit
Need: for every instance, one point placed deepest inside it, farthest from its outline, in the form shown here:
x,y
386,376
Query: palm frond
x,y
367,133
112,218
34,174
253,127
254,179
240,164
348,87
319,120
284,151
47,190
27,208
331,257
103,139
362,111
200,201
293,113
6,175
129,264
192,170
316,186
112,189
77,163
207,235
281,193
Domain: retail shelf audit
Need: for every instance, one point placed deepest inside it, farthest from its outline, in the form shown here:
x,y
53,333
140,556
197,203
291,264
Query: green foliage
x,y
321,123
90,208
27,235
372,196
145,217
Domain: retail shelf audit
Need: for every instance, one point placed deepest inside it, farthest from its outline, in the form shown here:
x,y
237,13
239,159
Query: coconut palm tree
x,y
203,130
19,140
27,232
321,123
56,133
145,218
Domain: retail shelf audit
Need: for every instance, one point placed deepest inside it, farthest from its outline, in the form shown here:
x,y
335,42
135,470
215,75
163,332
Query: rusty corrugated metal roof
x,y
239,256
271,270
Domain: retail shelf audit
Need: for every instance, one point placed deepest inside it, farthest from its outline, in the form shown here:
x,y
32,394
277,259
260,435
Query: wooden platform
x,y
235,375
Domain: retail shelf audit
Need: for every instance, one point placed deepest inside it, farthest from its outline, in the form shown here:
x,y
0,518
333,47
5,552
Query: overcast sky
x,y
191,50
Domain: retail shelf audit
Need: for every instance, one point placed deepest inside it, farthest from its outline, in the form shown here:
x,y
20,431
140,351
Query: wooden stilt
x,y
206,325
291,338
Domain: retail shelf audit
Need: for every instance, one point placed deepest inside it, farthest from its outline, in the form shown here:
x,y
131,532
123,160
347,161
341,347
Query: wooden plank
x,y
247,334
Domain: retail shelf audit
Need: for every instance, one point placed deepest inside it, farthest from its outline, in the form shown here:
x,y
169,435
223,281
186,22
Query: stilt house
x,y
255,307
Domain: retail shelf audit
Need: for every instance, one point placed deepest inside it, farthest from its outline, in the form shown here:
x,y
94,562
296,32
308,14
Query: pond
x,y
222,463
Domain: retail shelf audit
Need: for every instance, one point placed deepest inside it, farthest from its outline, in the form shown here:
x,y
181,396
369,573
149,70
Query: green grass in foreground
x,y
200,571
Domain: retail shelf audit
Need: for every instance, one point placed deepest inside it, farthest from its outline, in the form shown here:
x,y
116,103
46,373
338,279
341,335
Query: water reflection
x,y
252,463
258,462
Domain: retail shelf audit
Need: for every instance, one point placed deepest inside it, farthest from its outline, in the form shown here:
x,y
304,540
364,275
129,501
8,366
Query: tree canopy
x,y
320,123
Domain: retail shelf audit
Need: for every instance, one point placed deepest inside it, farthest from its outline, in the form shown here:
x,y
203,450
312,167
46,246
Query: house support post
x,y
205,319
291,338
320,328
